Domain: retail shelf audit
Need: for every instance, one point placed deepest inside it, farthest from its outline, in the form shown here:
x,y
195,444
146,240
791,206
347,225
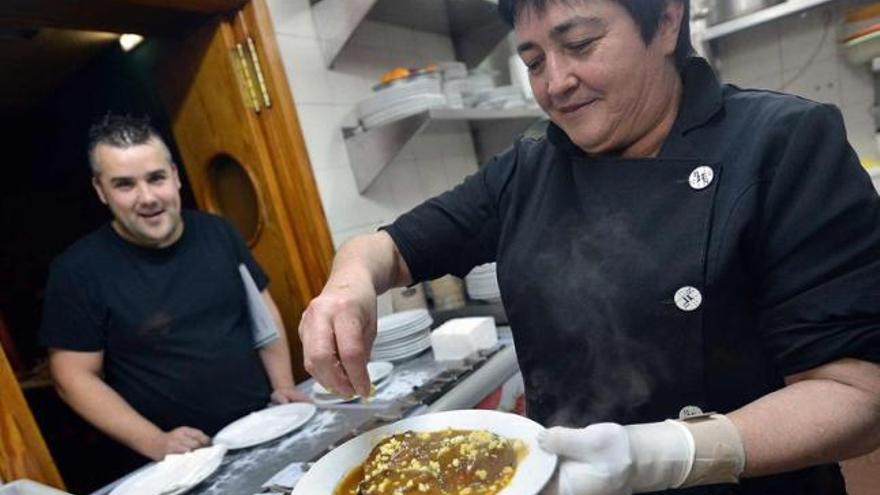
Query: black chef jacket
x,y
748,250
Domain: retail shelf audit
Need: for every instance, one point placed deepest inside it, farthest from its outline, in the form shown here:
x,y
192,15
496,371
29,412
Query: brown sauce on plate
x,y
445,462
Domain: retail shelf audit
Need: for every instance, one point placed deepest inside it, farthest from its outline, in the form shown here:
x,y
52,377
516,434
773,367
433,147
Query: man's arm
x,y
276,360
77,377
338,327
827,414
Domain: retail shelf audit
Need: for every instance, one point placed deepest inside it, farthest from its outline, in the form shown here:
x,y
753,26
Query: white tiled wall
x,y
430,164
800,54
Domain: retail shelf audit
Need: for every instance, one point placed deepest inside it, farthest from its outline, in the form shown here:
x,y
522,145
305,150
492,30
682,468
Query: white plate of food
x,y
492,438
175,474
264,425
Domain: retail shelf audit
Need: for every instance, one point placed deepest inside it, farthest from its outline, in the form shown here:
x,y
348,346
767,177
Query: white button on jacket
x,y
688,298
701,177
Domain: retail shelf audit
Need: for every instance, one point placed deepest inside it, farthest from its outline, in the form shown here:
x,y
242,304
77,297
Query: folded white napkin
x,y
174,472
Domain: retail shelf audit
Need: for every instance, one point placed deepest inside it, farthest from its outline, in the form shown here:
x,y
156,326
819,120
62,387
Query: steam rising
x,y
586,361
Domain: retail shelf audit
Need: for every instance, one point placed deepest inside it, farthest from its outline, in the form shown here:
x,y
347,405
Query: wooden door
x,y
23,453
241,145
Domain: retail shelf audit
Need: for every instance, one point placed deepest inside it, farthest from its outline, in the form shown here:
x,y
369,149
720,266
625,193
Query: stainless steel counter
x,y
416,387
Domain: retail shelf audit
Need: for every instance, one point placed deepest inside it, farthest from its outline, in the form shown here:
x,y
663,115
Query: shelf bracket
x,y
369,151
473,25
762,16
373,149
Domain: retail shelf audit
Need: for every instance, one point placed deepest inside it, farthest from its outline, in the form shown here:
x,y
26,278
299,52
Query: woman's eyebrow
x,y
576,21
558,31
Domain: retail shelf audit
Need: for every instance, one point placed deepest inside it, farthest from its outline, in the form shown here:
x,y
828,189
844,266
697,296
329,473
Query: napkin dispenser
x,y
461,338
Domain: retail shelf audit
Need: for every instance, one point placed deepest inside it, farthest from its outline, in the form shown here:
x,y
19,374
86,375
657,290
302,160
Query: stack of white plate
x,y
482,283
402,335
401,99
501,97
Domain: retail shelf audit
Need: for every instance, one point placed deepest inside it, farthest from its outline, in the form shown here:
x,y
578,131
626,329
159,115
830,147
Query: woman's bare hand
x,y
337,332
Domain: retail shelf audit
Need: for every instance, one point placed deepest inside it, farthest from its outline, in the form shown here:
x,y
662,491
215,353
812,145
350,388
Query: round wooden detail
x,y
233,194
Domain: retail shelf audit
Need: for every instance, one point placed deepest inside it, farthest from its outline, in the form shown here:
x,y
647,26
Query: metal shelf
x,y
760,17
485,113
475,30
372,149
473,25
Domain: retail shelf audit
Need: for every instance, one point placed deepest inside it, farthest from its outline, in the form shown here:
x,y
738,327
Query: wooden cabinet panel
x,y
23,453
147,17
284,138
203,6
215,122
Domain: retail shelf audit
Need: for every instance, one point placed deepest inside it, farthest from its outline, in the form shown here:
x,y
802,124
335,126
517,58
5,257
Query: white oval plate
x,y
265,425
531,475
174,475
377,371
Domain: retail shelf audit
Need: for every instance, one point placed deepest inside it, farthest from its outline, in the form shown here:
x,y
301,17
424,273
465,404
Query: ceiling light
x,y
129,41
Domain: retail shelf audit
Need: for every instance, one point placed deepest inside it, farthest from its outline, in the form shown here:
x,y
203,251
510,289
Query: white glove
x,y
610,459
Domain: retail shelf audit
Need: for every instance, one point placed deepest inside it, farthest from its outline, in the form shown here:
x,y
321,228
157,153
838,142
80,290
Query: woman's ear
x,y
669,26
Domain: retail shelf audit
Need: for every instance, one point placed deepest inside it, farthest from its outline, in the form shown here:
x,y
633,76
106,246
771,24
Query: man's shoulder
x,y
207,219
89,247
204,218
211,232
209,226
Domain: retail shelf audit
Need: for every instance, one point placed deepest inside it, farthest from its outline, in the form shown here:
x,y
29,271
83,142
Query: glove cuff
x,y
662,454
719,453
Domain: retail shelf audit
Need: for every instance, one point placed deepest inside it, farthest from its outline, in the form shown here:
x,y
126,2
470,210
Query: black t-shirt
x,y
748,250
173,323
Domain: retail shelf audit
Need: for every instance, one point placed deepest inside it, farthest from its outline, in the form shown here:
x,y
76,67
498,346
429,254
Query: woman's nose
x,y
560,79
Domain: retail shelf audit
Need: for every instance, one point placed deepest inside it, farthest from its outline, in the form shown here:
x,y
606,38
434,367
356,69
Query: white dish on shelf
x,y
402,335
482,283
401,326
265,425
400,90
403,109
413,349
862,49
532,472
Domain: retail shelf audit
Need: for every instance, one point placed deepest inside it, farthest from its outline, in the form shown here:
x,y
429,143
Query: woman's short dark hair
x,y
645,13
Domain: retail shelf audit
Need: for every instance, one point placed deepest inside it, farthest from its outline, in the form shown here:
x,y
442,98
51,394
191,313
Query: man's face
x,y
142,189
591,71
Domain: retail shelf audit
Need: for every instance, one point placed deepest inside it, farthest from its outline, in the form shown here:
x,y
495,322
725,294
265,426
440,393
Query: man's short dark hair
x,y
645,13
120,131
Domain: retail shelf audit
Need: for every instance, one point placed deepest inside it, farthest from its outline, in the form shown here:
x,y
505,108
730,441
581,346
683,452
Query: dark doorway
x,y
68,80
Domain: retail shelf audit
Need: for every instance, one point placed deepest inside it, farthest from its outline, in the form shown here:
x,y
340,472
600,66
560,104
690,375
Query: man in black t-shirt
x,y
146,319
